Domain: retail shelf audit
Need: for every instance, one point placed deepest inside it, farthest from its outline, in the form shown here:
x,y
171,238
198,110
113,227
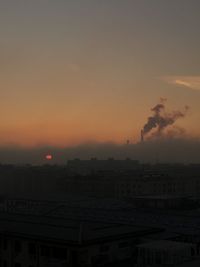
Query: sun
x,y
49,157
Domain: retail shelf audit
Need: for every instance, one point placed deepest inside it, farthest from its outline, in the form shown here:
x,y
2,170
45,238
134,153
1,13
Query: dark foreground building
x,y
42,241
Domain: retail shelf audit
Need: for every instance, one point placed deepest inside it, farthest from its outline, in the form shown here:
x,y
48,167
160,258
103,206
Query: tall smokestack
x,y
142,136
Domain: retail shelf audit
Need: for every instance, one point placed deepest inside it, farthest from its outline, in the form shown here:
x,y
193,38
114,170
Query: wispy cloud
x,y
191,82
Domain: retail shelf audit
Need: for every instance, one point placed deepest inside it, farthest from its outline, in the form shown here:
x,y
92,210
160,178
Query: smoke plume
x,y
161,119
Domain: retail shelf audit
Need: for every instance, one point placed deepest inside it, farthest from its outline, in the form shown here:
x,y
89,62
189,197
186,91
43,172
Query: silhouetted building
x,y
165,253
163,202
87,166
49,241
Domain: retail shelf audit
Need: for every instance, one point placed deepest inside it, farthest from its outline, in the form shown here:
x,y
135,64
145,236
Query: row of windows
x,y
4,263
170,188
54,252
17,246
105,248
46,251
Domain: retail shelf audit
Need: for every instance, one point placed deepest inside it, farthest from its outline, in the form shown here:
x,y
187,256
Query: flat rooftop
x,y
67,230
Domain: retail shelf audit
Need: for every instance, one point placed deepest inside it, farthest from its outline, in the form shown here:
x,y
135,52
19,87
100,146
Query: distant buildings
x,y
163,202
155,184
94,165
102,178
131,184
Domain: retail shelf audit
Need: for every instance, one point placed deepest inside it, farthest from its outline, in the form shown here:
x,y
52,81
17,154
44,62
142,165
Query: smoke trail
x,y
161,119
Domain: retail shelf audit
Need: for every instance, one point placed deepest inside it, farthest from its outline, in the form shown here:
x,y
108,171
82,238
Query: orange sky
x,y
73,73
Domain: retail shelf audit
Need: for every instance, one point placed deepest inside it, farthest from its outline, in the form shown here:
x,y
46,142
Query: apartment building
x,y
42,241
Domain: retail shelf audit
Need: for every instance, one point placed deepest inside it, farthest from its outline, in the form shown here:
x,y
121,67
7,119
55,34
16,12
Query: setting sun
x,y
49,157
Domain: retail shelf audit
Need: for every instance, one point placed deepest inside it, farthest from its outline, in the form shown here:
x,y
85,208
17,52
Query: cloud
x,y
190,82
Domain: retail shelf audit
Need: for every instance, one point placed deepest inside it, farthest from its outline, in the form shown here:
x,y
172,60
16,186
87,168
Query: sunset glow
x,y
93,72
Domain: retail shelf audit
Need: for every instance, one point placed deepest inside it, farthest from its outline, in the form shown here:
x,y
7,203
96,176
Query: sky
x,y
74,71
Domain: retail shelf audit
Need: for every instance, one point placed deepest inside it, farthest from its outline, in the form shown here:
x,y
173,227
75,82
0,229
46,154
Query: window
x,y
32,248
104,248
124,244
100,259
18,246
45,251
158,258
59,253
5,244
192,252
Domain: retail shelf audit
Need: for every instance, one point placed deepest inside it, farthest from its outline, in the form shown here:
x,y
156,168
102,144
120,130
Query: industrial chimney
x,y
142,136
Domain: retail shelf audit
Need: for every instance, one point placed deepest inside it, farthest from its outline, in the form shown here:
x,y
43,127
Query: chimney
x,y
142,136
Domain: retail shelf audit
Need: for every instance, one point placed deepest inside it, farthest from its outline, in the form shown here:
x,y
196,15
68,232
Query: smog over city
x,y
99,133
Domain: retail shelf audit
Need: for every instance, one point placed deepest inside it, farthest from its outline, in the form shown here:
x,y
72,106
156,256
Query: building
x,y
165,253
43,241
163,202
157,184
94,165
130,184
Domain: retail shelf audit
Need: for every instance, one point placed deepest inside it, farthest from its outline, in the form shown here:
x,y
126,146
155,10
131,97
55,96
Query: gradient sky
x,y
74,71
